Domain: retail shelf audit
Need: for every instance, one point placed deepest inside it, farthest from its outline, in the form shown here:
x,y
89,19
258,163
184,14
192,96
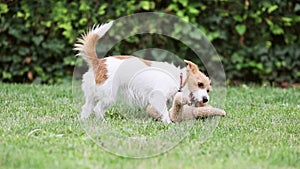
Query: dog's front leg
x,y
158,101
176,109
100,110
86,109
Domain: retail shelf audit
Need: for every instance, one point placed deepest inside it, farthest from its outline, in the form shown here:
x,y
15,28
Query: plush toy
x,y
183,110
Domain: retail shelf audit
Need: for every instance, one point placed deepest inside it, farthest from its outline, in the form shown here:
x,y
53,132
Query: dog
x,y
141,82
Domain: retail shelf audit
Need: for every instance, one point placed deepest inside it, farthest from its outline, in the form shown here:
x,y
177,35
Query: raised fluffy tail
x,y
86,45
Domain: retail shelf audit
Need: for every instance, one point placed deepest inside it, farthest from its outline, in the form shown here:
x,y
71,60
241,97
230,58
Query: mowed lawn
x,y
39,129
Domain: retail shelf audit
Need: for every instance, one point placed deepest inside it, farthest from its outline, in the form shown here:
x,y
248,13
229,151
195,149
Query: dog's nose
x,y
204,99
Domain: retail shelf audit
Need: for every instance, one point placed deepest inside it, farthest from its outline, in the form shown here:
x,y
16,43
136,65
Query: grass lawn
x,y
40,129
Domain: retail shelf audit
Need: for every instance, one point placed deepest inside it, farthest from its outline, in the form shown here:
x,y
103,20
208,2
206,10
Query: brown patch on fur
x,y
191,66
100,71
122,57
147,62
89,42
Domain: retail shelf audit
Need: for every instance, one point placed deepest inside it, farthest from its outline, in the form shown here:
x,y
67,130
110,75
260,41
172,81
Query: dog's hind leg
x,y
87,108
158,102
88,88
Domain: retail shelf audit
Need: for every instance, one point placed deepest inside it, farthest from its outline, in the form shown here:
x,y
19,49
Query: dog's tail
x,y
86,45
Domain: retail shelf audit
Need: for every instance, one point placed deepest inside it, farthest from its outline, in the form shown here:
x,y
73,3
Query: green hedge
x,y
258,41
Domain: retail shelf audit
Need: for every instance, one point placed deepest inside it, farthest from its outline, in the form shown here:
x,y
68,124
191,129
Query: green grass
x,y
40,129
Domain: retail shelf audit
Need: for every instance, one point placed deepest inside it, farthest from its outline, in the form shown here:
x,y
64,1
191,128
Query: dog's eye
x,y
207,91
200,85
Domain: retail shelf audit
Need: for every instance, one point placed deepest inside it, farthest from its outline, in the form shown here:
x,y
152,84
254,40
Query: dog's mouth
x,y
195,102
200,104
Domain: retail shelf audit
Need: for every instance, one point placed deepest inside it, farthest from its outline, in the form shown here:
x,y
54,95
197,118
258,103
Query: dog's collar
x,y
191,96
181,85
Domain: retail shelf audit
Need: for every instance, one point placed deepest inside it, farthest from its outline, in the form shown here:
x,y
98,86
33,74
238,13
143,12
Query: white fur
x,y
100,30
200,94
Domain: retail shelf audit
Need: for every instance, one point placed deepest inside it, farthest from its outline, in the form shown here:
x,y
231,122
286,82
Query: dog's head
x,y
198,83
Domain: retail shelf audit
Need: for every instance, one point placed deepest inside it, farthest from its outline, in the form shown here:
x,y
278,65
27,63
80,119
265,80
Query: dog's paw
x,y
223,113
166,119
84,115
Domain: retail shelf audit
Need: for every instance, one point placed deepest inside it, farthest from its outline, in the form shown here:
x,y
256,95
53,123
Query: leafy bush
x,y
257,40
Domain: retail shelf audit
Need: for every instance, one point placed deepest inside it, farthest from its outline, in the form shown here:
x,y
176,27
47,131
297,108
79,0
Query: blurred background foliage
x,y
257,40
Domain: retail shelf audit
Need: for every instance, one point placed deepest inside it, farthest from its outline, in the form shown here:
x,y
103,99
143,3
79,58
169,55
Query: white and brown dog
x,y
141,82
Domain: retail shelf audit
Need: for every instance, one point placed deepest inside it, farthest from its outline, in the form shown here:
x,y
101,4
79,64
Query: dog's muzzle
x,y
194,102
204,99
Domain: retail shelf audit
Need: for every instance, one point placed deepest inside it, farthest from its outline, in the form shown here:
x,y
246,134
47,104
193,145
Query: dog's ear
x,y
191,66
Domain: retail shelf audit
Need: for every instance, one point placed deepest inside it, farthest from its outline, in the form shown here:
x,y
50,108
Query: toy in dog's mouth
x,y
200,104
